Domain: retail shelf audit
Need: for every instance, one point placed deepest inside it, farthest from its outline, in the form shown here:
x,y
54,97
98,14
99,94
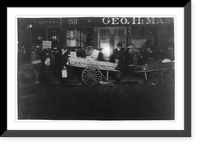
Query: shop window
x,y
88,37
79,37
119,36
54,37
104,39
140,35
109,37
166,37
37,35
73,38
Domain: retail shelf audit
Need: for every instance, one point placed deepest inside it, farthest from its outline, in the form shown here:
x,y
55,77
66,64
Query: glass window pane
x,y
104,39
79,37
119,36
88,37
73,38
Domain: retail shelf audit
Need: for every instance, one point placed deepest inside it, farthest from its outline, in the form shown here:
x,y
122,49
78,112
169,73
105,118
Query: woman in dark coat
x,y
47,67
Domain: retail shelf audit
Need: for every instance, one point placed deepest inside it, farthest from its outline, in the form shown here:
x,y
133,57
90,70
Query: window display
x,y
79,37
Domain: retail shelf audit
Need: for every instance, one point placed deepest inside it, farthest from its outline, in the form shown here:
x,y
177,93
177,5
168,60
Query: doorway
x,y
108,37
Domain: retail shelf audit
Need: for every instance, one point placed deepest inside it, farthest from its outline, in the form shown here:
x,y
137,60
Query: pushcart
x,y
164,72
28,73
92,69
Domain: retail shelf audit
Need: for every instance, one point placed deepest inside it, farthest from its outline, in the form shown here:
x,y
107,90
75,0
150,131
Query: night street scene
x,y
96,68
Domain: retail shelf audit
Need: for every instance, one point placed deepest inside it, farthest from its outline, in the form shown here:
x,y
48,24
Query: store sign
x,y
46,44
116,21
135,20
72,21
46,21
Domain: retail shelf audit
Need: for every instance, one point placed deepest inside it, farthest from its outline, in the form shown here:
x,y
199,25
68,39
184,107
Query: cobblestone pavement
x,y
130,100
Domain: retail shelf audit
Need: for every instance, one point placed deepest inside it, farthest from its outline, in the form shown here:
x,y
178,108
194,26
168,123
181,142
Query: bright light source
x,y
106,49
54,37
39,38
30,25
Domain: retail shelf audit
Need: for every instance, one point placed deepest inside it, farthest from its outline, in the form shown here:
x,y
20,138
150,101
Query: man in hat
x,y
129,60
64,64
118,57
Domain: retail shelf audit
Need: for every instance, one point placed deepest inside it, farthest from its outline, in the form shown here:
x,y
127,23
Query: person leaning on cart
x,y
64,65
118,57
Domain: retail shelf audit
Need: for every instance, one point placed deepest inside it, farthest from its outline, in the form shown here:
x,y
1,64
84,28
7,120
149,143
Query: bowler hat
x,y
119,44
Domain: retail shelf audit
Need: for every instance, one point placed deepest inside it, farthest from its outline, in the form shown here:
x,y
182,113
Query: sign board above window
x,y
40,22
117,21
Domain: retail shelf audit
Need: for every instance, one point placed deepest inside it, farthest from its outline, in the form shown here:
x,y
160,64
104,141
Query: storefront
x,y
45,29
106,32
101,32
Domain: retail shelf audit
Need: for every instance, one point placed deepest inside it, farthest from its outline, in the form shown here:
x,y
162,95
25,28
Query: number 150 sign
x,y
73,21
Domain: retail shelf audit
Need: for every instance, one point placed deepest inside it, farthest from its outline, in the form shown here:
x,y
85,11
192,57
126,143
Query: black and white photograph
x,y
96,68
98,72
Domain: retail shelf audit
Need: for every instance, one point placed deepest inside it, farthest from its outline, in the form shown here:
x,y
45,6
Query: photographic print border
x,y
187,132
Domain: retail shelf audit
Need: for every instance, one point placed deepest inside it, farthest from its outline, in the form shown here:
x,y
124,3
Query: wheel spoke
x,y
32,71
27,75
98,75
95,80
22,71
87,71
91,71
96,72
168,76
86,79
28,70
86,74
91,76
89,81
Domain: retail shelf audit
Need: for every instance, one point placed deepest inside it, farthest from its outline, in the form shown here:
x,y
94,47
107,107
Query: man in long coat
x,y
64,64
118,57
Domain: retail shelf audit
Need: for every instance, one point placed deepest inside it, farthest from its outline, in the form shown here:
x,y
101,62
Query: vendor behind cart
x,y
81,52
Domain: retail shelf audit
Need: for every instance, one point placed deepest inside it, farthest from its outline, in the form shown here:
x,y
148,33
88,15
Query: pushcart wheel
x,y
156,76
167,76
28,75
91,76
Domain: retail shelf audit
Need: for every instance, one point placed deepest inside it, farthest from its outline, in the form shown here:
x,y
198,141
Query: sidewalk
x,y
125,79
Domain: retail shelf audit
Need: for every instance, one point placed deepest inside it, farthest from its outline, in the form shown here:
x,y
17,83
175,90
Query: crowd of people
x,y
129,58
55,63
